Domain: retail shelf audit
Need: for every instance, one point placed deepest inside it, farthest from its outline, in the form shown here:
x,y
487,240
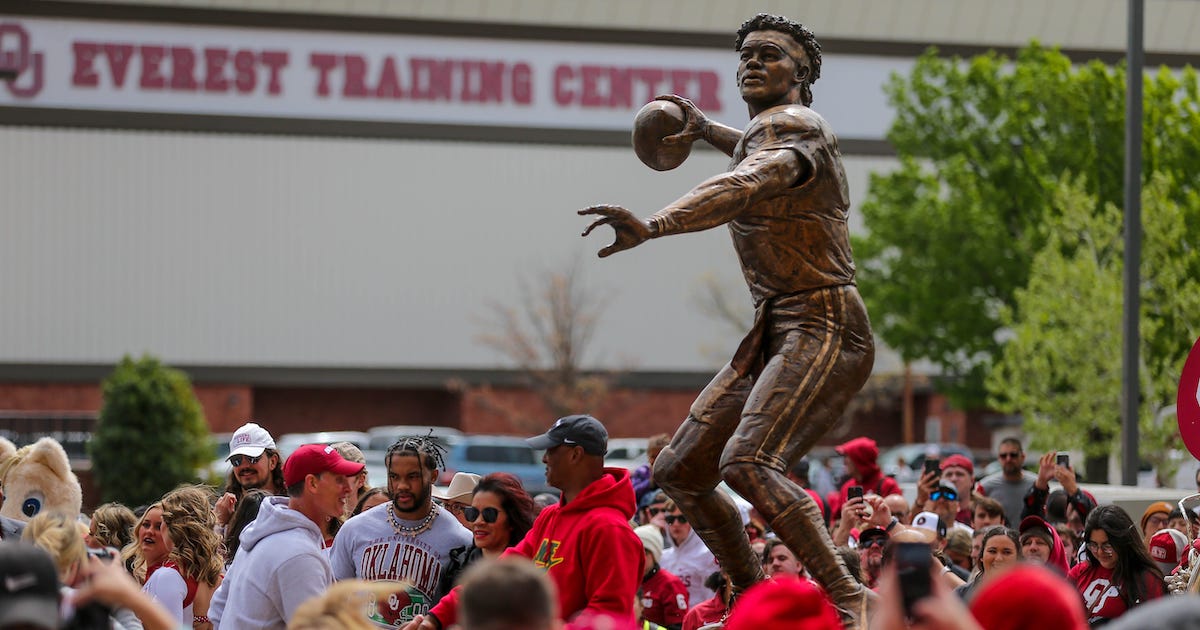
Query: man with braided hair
x,y
786,202
407,539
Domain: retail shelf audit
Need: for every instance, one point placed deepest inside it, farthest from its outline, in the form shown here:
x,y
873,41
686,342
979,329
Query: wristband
x,y
892,525
437,623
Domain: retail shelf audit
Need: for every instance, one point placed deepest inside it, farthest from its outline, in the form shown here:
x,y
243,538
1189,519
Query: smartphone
x,y
912,567
932,465
1064,459
854,492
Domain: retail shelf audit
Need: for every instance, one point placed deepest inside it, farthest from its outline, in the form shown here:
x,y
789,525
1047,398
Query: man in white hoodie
x,y
282,562
688,558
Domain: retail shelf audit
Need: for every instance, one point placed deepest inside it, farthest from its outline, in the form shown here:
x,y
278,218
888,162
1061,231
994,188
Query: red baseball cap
x,y
794,604
960,461
314,459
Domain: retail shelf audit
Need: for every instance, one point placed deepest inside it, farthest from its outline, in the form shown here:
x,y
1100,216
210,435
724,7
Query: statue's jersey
x,y
797,240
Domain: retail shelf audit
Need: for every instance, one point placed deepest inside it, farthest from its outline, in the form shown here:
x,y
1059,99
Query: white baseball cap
x,y
251,440
930,521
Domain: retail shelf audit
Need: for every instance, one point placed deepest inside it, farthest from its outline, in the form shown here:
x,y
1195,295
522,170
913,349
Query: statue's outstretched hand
x,y
630,230
694,127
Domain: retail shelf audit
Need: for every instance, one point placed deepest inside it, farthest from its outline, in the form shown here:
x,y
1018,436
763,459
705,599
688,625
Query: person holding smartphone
x,y
854,515
1049,468
860,457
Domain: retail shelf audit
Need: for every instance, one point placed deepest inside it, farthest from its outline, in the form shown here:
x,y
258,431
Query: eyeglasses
x,y
1008,455
490,514
1104,546
948,495
237,460
671,520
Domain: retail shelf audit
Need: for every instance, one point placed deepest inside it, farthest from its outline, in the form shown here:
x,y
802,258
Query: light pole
x,y
1130,395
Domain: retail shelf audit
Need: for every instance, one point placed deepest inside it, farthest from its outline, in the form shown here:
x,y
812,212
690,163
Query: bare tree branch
x,y
546,334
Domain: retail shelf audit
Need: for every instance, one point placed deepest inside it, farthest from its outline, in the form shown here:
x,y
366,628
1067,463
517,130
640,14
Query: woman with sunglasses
x,y
1000,548
1117,572
500,515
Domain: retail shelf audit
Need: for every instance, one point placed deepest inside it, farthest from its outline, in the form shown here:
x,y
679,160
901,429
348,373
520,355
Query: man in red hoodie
x,y
584,542
860,459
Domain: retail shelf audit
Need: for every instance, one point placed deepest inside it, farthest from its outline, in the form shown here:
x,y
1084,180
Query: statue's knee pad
x,y
741,474
666,468
677,475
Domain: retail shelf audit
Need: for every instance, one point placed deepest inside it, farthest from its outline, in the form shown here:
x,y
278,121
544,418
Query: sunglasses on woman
x,y
236,460
490,514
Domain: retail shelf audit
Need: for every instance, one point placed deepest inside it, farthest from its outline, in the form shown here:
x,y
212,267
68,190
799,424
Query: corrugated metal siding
x,y
257,250
1084,24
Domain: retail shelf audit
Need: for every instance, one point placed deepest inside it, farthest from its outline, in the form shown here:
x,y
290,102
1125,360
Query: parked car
x,y
380,438
626,453
914,455
483,454
292,441
479,454
219,469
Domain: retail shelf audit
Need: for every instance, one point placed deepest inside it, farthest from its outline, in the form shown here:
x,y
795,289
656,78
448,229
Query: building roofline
x,y
382,24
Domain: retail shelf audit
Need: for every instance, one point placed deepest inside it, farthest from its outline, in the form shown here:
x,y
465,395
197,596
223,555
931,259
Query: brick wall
x,y
225,406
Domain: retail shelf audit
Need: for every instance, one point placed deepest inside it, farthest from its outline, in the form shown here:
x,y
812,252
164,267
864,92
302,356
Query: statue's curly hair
x,y
798,32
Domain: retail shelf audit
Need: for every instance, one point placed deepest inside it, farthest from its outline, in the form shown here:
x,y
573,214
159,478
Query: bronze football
x,y
655,121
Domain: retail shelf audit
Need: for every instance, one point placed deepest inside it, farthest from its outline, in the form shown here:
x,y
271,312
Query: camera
x,y
92,616
1064,459
106,554
854,492
912,567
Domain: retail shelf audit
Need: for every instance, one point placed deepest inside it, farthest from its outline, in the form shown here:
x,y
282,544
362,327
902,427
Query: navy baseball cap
x,y
28,587
581,430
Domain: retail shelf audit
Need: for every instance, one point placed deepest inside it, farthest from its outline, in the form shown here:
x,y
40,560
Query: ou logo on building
x,y
19,64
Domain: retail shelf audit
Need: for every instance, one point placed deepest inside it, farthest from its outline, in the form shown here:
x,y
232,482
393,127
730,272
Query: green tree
x,y
983,144
151,435
1062,365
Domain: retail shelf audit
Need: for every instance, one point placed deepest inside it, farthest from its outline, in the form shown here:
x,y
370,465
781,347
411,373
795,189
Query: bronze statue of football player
x,y
810,349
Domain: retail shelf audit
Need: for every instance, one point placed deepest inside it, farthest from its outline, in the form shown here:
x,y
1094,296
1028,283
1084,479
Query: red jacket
x,y
664,598
707,611
588,549
863,452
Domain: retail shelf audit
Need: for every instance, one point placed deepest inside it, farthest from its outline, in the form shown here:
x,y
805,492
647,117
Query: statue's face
x,y
772,65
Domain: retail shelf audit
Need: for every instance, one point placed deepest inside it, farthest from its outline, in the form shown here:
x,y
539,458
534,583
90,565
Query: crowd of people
x,y
304,542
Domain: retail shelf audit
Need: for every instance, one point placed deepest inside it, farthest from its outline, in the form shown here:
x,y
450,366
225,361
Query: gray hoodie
x,y
279,565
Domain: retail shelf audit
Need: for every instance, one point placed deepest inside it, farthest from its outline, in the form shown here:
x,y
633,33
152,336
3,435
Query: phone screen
x,y
912,567
932,465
